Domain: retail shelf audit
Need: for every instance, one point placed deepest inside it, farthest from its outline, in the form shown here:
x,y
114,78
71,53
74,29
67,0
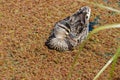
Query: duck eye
x,y
86,17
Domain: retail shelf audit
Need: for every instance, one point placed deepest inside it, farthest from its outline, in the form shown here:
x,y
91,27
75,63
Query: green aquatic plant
x,y
114,60
116,55
82,45
101,6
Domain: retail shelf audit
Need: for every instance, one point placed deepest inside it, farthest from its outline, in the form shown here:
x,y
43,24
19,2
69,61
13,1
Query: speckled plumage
x,y
70,31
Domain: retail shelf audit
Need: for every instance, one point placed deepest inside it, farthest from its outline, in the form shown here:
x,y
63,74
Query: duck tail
x,y
57,44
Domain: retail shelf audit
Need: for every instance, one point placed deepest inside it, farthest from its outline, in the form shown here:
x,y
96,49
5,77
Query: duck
x,y
71,31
